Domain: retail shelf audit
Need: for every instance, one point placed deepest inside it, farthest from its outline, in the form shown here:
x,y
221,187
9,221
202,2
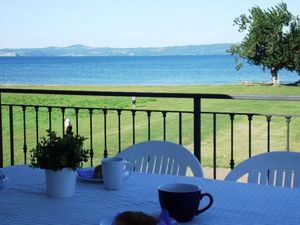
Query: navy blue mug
x,y
182,200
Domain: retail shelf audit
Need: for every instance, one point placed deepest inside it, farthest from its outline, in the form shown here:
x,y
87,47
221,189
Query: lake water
x,y
131,70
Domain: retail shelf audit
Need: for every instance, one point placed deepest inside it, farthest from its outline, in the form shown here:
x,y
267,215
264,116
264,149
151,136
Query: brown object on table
x,y
98,171
135,218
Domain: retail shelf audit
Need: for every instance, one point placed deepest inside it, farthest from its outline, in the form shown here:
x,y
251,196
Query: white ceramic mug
x,y
114,171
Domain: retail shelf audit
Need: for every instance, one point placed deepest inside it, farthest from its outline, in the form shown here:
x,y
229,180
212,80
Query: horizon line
x,y
83,45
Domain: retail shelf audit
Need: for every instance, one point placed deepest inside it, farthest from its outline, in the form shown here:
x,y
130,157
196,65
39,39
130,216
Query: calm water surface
x,y
139,70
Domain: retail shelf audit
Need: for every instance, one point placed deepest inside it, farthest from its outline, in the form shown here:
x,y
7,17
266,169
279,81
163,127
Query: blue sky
x,y
123,23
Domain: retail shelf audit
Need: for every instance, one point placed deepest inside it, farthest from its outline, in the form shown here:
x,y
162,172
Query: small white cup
x,y
114,171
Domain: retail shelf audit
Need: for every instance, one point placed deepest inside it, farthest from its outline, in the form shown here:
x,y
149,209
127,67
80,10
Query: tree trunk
x,y
274,73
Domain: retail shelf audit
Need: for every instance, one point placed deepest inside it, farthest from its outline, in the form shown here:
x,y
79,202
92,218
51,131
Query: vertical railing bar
x,y
149,124
50,117
250,134
11,132
232,141
288,120
63,119
268,131
180,127
133,126
197,128
105,133
24,135
91,136
119,130
1,137
164,125
215,143
76,120
36,108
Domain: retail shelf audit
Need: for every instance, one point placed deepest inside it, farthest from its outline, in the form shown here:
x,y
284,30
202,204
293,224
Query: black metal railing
x,y
106,114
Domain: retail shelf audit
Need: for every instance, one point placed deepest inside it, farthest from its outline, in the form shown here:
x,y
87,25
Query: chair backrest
x,y
271,168
161,157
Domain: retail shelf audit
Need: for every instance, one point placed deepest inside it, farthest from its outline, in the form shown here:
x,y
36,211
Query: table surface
x,y
23,201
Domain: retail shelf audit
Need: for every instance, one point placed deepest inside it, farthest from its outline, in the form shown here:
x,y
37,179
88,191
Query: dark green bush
x,y
56,153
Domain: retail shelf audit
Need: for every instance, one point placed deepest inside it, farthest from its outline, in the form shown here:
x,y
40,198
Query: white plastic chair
x,y
271,168
161,157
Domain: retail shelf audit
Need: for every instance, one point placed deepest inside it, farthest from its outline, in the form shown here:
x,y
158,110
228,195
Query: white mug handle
x,y
128,168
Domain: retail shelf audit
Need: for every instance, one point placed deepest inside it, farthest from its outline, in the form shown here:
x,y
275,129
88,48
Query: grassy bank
x,y
259,127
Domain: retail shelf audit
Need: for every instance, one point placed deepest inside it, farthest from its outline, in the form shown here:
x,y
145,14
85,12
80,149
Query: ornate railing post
x,y
268,131
91,136
105,132
250,116
50,117
1,138
288,120
149,124
164,114
36,109
215,144
11,135
197,128
24,134
180,127
63,119
133,126
76,119
232,163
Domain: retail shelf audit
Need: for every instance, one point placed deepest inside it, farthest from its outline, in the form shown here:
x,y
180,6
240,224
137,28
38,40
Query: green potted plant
x,y
60,157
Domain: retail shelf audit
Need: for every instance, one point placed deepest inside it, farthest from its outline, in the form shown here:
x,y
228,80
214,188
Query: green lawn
x,y
259,125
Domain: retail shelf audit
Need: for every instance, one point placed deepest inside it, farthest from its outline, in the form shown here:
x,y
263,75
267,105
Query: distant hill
x,y
82,50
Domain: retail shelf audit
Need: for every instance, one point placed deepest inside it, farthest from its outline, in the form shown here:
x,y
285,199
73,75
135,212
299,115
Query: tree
x,y
272,40
294,44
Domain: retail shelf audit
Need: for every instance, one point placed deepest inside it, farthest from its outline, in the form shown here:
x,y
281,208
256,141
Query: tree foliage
x,y
272,39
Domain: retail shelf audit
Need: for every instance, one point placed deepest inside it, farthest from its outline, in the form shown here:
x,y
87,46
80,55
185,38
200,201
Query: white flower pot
x,y
61,183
